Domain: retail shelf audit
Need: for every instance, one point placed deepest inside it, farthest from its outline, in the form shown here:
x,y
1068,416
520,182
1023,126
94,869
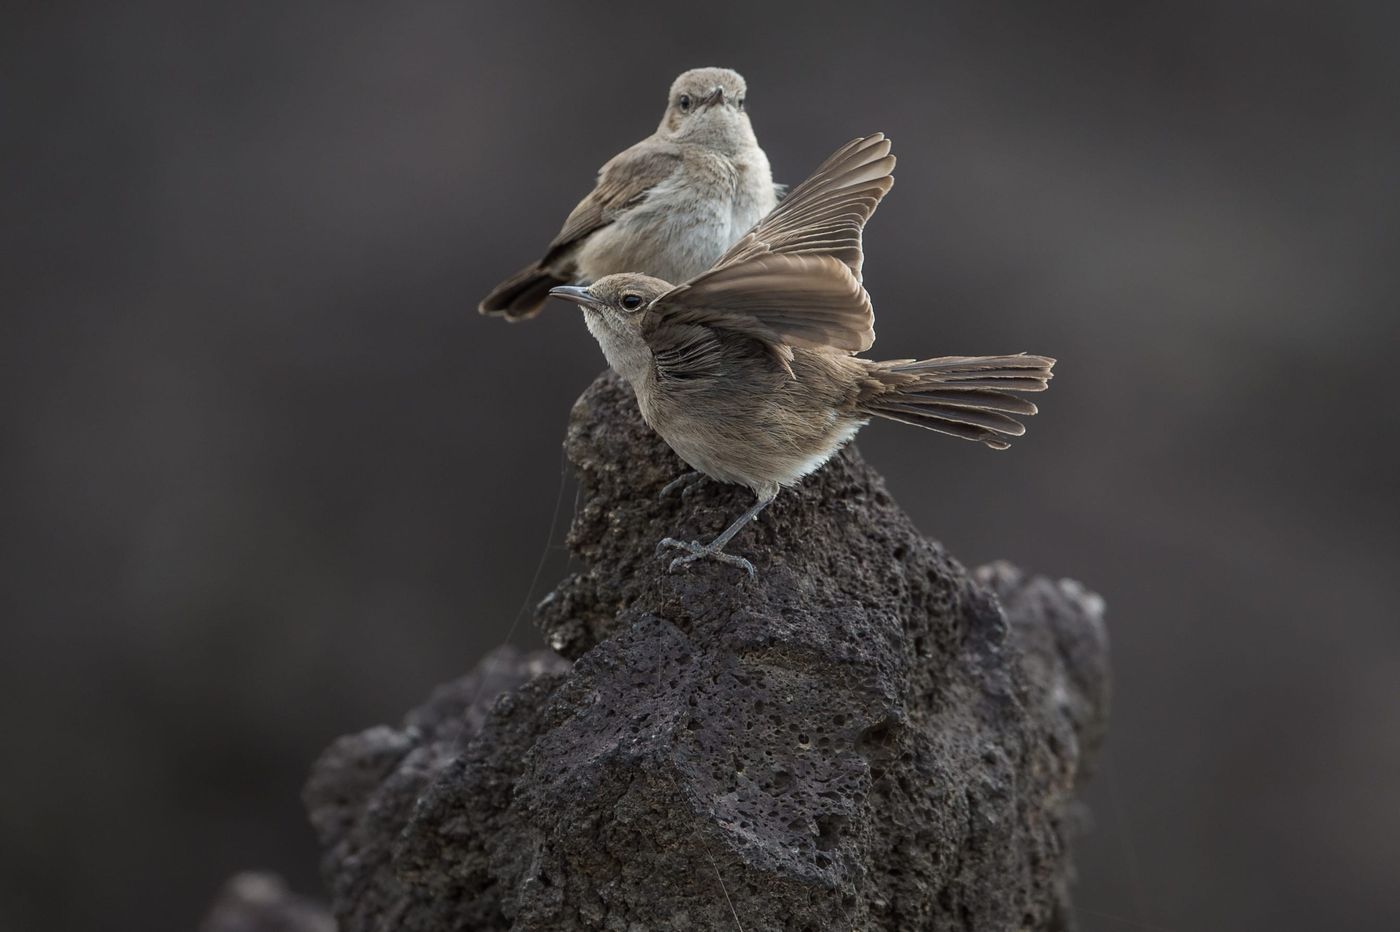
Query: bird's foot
x,y
684,481
698,551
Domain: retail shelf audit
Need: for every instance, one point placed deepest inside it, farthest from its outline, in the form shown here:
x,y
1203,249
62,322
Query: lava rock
x,y
864,737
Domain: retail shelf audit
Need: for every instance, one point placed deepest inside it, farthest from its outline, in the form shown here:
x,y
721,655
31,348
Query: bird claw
x,y
698,551
685,481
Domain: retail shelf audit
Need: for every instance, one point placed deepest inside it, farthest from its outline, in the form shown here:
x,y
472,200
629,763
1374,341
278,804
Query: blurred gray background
x,y
268,477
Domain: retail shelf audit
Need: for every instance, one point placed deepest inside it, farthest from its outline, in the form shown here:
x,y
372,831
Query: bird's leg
x,y
714,550
684,480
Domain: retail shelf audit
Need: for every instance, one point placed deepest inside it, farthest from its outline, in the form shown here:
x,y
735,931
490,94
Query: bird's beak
x,y
716,97
574,295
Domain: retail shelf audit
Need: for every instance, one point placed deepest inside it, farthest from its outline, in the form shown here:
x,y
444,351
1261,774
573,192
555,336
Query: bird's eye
x,y
739,103
631,302
684,102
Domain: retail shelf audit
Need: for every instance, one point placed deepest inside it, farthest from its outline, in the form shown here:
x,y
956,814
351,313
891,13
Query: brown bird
x,y
668,206
748,371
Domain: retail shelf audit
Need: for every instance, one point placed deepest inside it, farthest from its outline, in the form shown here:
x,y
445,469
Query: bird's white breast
x,y
685,223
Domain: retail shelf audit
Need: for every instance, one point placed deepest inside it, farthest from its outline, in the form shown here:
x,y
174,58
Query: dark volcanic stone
x,y
866,737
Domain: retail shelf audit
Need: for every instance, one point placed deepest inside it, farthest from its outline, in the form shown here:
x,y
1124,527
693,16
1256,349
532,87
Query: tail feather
x,y
522,295
973,417
963,396
974,398
951,428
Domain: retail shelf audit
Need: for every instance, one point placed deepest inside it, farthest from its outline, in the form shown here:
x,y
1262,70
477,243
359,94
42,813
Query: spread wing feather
x,y
794,279
826,212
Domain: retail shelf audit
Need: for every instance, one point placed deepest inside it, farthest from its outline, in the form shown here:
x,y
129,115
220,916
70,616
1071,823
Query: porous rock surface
x,y
865,737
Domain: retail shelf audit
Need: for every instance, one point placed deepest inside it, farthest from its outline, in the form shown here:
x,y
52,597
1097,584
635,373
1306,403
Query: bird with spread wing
x,y
749,370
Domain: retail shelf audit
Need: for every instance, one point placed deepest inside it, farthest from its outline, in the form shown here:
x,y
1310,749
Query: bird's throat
x,y
626,352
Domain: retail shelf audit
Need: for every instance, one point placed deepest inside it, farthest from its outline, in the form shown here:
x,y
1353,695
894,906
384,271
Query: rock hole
x,y
878,737
829,828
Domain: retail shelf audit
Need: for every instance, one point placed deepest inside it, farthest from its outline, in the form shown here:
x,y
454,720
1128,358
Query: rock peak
x,y
865,737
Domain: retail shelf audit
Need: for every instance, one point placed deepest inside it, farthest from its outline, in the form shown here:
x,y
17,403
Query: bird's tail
x,y
963,396
522,295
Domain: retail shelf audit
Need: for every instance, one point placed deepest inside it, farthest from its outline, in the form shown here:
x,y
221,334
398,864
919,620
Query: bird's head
x,y
614,308
706,106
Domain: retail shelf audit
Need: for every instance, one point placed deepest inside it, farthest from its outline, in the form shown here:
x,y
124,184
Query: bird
x,y
669,206
749,370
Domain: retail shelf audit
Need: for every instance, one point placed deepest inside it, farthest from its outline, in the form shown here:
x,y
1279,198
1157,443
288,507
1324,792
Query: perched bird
x,y
668,206
748,371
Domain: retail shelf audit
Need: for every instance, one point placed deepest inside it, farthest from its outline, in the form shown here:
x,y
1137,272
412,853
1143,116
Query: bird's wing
x,y
794,279
623,182
826,213
687,352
